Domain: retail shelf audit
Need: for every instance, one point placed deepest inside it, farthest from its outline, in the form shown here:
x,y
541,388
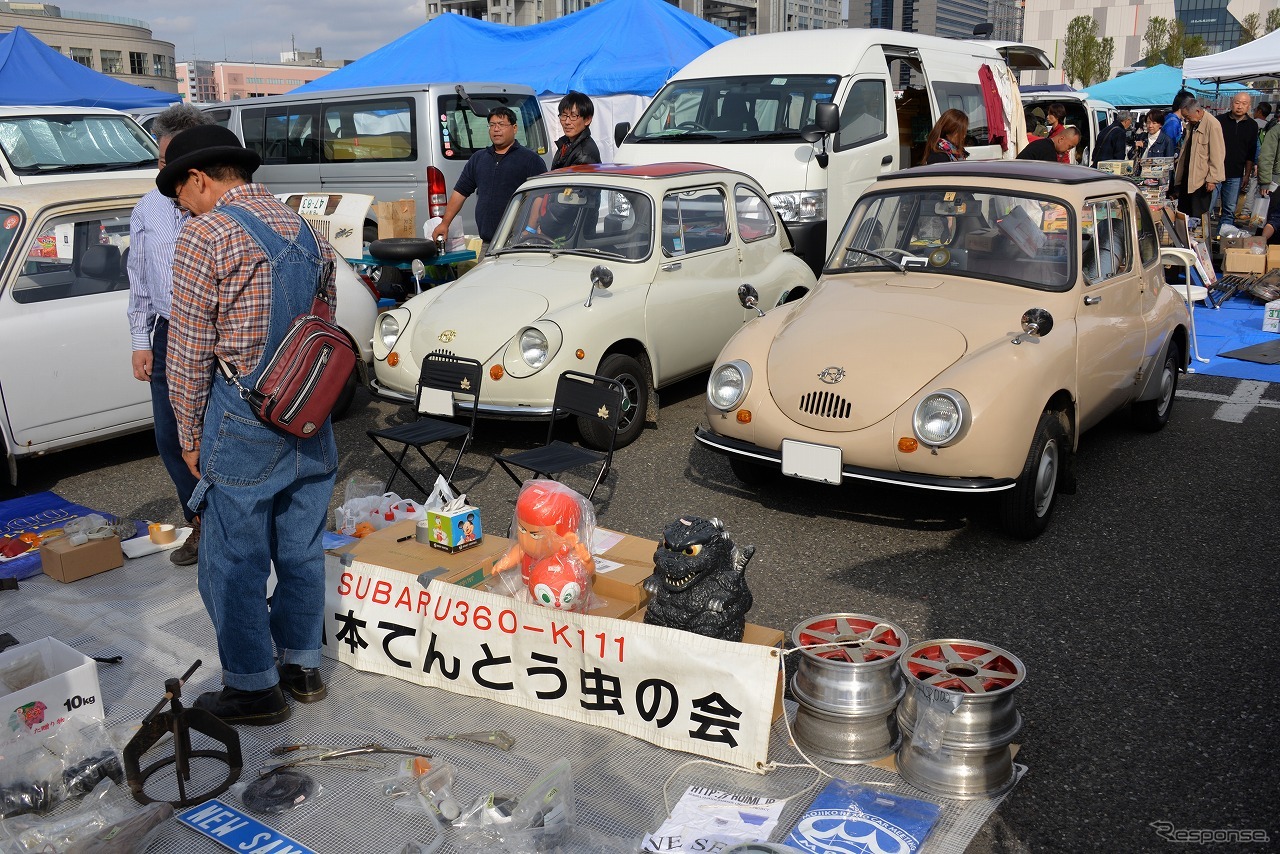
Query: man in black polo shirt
x,y
493,174
1050,147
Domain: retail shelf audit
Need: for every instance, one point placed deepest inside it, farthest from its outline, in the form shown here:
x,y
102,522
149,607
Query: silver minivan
x,y
392,142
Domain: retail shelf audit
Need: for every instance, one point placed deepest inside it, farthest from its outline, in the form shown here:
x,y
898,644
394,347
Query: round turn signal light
x,y
581,354
907,444
744,416
393,358
495,373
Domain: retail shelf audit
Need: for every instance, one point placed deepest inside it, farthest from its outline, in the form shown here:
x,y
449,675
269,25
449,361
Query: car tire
x,y
635,381
751,473
1025,509
1150,416
396,249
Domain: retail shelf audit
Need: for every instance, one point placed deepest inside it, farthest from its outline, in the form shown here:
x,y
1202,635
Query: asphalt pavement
x,y
1145,615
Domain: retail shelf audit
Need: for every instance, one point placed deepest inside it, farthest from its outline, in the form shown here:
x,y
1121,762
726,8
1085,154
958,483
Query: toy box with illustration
x,y
853,812
43,684
454,527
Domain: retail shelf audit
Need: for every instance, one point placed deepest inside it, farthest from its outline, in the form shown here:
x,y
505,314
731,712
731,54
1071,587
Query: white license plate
x,y
313,205
811,462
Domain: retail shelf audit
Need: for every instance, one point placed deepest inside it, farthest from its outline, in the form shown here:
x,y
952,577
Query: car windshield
x,y
735,109
1021,239
46,144
580,220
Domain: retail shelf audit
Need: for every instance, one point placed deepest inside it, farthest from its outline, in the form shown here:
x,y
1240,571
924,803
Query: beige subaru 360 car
x,y
973,321
630,272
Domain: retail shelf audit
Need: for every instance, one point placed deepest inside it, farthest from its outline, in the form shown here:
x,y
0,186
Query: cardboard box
x,y
43,684
1271,317
65,562
390,548
634,559
1243,261
1247,242
456,530
1273,258
1116,167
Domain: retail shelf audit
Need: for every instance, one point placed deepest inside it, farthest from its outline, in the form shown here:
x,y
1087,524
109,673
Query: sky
x,y
244,30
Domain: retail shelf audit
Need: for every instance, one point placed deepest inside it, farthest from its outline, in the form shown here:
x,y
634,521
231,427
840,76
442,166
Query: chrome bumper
x,y
773,459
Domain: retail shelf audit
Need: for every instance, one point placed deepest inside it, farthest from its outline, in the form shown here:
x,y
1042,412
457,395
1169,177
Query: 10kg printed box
x,y
43,684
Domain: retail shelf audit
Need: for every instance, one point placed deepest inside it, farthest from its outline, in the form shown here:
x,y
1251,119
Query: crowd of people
x,y
1220,159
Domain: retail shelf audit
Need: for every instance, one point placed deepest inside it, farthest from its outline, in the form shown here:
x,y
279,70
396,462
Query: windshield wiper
x,y
682,137
766,137
137,164
892,263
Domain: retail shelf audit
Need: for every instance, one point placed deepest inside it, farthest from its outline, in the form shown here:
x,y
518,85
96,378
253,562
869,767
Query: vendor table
x,y
150,613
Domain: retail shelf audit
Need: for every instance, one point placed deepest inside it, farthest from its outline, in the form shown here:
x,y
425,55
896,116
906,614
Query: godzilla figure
x,y
699,582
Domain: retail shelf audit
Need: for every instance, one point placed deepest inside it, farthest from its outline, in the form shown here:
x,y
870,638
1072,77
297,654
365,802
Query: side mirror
x,y
620,132
602,278
1036,323
419,270
749,297
828,117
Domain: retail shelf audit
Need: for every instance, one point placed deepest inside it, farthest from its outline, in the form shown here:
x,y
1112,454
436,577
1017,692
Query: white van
x,y
752,104
392,142
40,144
1089,115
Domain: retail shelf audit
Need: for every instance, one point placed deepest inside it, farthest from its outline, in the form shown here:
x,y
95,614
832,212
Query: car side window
x,y
693,221
1148,239
1105,241
755,217
862,115
368,131
75,256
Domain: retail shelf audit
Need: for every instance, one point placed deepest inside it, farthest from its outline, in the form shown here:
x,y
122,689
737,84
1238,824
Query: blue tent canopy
x,y
614,47
1155,87
32,74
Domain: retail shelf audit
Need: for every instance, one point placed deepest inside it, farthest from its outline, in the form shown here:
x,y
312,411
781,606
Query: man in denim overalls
x,y
245,266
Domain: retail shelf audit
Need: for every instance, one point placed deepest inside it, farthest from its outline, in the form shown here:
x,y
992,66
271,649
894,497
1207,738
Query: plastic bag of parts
x,y
277,791
933,711
38,771
35,833
428,796
25,667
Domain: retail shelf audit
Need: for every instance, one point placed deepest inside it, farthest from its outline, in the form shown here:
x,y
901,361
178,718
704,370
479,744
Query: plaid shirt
x,y
222,300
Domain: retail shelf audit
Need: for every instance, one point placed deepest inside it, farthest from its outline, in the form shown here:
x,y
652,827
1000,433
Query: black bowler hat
x,y
198,147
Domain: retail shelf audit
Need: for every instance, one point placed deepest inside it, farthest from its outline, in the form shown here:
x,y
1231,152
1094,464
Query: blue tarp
x,y
33,74
1155,87
611,48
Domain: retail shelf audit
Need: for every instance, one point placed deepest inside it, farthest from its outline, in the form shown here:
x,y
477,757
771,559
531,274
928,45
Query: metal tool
x,y
494,738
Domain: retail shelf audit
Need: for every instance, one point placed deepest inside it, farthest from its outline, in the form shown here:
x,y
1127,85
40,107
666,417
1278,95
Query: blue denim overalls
x,y
265,496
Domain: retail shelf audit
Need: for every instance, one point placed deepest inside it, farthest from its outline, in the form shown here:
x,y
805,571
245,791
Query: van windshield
x,y
47,144
735,109
1021,239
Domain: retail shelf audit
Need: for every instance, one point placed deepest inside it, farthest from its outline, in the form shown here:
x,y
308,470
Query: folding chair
x,y
443,376
583,395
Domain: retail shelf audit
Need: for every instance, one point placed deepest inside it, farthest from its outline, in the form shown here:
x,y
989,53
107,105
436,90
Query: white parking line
x,y
1239,404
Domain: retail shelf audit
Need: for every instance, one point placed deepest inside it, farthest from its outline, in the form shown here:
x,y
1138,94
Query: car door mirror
x,y
602,278
749,297
620,132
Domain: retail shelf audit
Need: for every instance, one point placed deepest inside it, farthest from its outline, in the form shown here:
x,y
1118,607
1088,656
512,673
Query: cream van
x,y
392,142
39,144
816,116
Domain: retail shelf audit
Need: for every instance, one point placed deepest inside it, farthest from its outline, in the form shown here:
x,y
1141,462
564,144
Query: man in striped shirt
x,y
153,229
244,267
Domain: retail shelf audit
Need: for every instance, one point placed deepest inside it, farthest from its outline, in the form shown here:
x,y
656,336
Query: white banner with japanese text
x,y
674,689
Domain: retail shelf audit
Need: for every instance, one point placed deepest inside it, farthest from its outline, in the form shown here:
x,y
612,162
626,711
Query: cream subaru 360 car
x,y
627,272
973,321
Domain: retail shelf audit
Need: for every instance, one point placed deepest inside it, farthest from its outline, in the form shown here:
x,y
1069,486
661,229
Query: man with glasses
x,y
493,174
153,230
576,146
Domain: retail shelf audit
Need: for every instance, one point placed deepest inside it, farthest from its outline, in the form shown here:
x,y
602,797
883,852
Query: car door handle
x,y
671,265
886,160
1092,300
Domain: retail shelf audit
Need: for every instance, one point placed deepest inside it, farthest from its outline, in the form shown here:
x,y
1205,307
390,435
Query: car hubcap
x,y
1046,478
1166,390
630,396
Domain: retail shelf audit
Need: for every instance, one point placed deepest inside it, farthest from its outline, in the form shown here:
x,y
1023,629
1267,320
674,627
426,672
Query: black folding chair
x,y
443,379
583,395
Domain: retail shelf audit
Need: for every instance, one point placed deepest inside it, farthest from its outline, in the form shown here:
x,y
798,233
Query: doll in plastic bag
x,y
550,519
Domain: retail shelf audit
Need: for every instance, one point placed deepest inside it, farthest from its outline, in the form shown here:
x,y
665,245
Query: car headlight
x,y
388,330
800,205
940,418
533,347
728,385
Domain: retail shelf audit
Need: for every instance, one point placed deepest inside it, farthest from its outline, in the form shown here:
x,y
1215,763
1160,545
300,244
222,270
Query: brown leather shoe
x,y
189,552
303,683
253,708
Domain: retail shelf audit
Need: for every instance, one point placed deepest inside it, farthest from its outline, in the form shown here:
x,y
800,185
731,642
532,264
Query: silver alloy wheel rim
x,y
1166,389
630,395
1046,478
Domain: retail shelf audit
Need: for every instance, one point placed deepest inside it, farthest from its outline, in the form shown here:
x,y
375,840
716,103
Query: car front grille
x,y
824,404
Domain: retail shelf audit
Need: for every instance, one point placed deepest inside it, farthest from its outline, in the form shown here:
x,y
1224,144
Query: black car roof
x,y
1027,170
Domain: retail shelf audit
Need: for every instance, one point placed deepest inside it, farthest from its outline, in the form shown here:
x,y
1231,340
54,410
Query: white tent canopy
x,y
1258,58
